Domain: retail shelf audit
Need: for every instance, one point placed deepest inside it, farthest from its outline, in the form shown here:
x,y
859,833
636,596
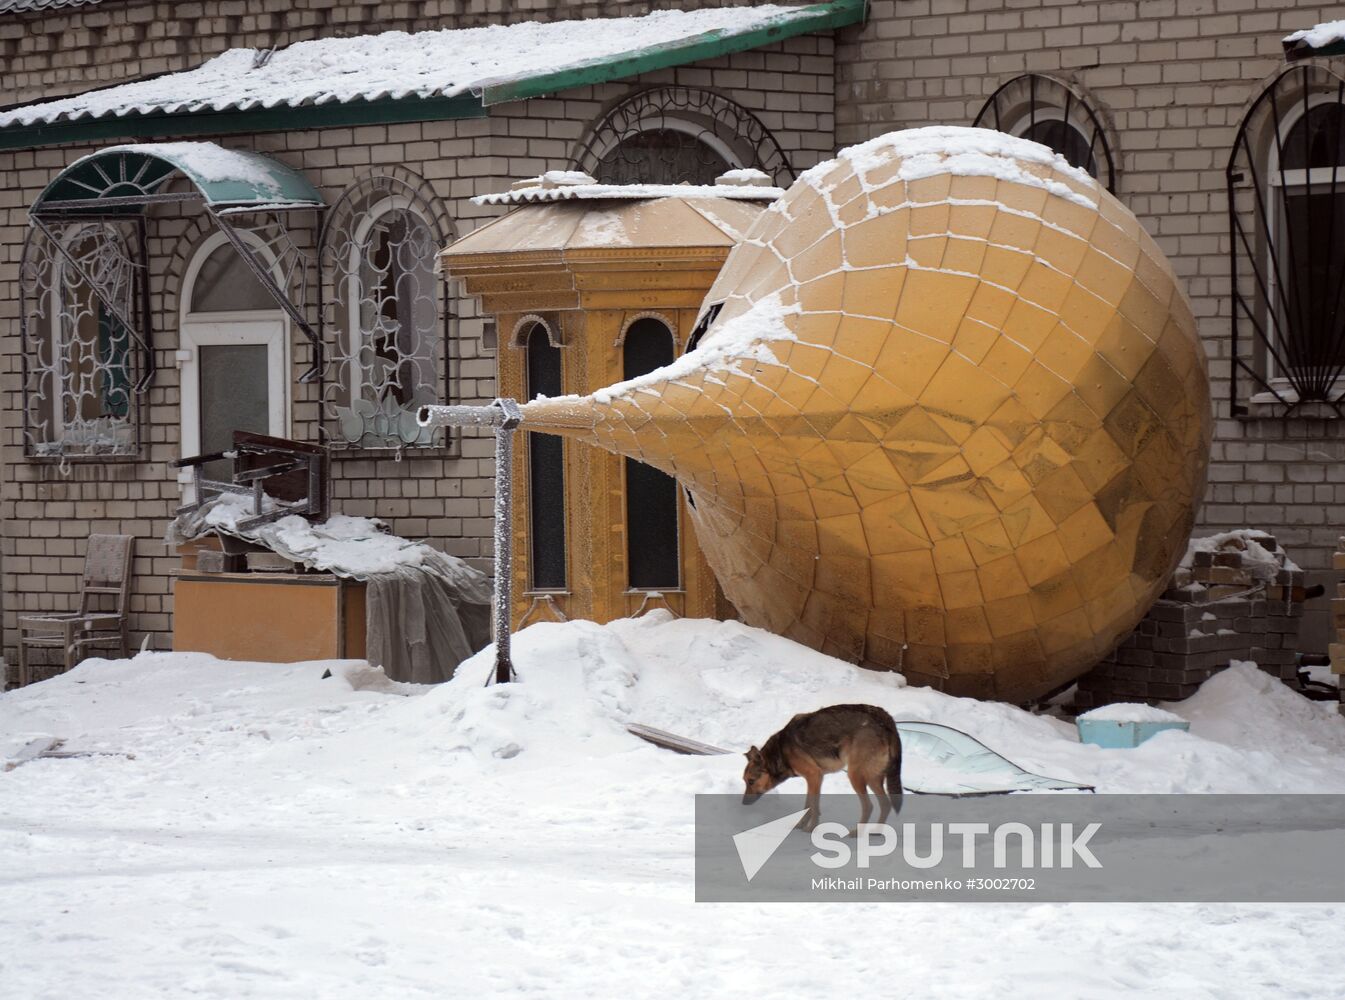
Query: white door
x,y
233,379
233,355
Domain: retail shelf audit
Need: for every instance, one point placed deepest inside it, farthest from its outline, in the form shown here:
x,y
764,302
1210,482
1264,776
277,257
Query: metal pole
x,y
504,533
503,415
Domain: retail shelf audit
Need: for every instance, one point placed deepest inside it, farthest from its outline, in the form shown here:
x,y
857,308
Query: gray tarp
x,y
422,617
420,626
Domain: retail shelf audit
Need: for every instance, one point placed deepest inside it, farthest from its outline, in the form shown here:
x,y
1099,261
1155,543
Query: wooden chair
x,y
107,578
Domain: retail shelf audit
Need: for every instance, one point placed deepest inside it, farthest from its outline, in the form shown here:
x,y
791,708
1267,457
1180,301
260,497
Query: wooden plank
x,y
671,741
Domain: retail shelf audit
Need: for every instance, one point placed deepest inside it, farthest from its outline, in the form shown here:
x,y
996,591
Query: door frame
x,y
267,327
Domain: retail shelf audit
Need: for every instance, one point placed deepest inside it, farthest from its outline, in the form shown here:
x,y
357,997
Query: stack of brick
x,y
1338,623
1226,603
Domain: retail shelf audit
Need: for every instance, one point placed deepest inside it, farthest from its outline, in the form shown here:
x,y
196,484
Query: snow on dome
x,y
737,345
395,65
965,152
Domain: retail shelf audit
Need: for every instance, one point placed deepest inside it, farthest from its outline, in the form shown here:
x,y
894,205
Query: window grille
x,y
385,315
675,135
82,283
1286,203
1046,111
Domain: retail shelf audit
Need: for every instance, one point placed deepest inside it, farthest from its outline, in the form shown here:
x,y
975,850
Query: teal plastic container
x,y
1122,735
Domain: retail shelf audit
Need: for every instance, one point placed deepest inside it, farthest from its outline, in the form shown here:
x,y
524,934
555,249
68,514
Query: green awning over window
x,y
132,176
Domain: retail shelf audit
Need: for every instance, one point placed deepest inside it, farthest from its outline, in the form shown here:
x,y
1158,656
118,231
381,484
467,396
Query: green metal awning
x,y
130,177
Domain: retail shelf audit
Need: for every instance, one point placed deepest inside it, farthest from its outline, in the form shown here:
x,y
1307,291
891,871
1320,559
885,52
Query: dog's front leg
x,y
813,801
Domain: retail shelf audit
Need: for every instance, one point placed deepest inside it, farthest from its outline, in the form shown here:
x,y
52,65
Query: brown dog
x,y
862,740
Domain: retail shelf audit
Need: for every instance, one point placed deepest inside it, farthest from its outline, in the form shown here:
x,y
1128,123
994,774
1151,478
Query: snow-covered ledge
x,y
1326,39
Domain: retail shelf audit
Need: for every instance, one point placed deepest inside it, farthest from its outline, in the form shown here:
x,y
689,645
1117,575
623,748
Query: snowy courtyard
x,y
262,830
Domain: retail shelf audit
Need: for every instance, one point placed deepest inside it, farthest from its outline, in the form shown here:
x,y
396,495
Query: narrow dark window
x,y
651,496
546,470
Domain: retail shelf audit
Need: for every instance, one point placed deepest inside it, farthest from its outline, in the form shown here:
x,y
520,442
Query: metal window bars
x,y
84,303
1286,211
385,313
1045,110
675,135
83,300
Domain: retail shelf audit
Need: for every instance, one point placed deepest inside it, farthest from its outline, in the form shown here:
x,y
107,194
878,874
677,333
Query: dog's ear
x,y
753,753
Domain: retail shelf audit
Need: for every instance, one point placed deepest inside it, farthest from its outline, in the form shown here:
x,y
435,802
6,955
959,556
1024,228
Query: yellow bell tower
x,y
592,285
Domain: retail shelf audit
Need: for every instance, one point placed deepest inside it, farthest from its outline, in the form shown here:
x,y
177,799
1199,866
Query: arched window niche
x,y
1044,110
386,316
653,560
679,135
546,468
1286,190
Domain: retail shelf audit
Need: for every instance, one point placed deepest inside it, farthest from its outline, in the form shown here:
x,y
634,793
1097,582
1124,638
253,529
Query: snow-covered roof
x,y
25,6
1326,39
628,192
496,63
584,226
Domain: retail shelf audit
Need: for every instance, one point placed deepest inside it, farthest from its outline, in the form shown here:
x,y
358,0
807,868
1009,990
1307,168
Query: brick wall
x,y
47,512
1171,80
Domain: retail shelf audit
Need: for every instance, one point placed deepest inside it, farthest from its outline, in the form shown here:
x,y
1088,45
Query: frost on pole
x,y
952,419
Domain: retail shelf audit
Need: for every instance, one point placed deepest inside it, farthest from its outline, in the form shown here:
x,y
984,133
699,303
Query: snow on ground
x,y
276,834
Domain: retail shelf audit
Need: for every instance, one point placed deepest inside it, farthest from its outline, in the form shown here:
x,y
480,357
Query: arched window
x,y
80,368
652,558
675,135
1286,190
386,315
546,469
1046,111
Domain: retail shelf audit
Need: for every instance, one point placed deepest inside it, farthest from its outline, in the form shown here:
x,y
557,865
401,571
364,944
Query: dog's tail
x,y
893,775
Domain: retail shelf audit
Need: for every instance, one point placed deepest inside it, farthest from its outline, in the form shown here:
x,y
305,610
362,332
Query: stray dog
x,y
862,740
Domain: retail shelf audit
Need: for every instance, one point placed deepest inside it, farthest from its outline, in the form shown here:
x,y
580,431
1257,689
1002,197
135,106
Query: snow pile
x,y
744,175
396,65
1131,712
1318,36
274,833
730,685
962,152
